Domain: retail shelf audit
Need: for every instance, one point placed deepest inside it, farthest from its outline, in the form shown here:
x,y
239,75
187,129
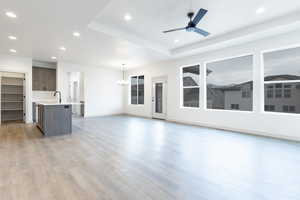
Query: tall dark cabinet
x,y
43,79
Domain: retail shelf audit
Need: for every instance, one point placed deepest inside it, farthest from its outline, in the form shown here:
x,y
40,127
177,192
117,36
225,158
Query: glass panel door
x,y
159,97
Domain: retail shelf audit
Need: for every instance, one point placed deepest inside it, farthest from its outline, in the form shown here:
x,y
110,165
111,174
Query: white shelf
x,y
13,93
12,109
11,99
4,101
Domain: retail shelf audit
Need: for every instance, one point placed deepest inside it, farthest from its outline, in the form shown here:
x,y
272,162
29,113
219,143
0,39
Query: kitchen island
x,y
54,118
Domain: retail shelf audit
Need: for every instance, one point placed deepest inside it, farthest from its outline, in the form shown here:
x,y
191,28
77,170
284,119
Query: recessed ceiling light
x,y
11,15
76,34
13,51
176,41
12,37
53,58
127,17
63,48
260,10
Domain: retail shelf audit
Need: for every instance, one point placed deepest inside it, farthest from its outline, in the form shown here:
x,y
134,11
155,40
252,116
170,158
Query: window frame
x,y
283,82
185,87
137,91
256,55
249,53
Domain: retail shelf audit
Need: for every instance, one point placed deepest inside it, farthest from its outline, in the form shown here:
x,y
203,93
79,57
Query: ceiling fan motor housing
x,y
190,15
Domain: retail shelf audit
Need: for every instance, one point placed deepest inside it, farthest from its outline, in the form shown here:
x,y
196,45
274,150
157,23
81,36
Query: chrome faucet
x,y
59,95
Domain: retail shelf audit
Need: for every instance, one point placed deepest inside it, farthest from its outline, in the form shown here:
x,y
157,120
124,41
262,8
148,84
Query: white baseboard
x,y
250,132
104,115
135,115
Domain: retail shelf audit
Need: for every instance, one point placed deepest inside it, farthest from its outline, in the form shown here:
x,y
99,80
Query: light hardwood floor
x,y
121,157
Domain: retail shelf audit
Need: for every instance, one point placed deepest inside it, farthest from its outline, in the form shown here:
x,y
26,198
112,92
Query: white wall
x,y
19,64
102,94
43,96
256,122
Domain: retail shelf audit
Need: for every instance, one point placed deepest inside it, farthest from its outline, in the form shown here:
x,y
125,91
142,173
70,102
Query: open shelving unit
x,y
12,99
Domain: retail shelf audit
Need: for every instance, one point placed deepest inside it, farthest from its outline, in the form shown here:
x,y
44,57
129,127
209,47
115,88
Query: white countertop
x,y
56,103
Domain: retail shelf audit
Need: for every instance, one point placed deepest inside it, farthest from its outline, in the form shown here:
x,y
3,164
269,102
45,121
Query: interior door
x,y
159,100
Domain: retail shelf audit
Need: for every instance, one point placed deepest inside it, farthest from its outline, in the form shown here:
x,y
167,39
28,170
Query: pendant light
x,y
123,81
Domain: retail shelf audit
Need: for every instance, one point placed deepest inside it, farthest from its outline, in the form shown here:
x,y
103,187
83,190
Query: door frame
x,y
164,80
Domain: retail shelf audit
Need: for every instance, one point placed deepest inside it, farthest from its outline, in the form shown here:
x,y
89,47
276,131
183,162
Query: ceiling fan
x,y
191,27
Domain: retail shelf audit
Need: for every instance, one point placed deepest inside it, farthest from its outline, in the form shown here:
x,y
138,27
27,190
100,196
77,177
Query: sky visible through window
x,y
231,71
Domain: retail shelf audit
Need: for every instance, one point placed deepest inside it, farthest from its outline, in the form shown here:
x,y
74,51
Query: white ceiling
x,y
108,40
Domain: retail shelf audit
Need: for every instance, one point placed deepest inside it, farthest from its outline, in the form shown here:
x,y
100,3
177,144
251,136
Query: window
x,y
282,73
141,90
278,90
191,86
235,106
134,89
246,91
270,91
288,109
269,108
229,84
137,90
287,91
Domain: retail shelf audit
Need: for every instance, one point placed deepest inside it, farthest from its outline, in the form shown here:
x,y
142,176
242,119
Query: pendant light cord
x,y
123,72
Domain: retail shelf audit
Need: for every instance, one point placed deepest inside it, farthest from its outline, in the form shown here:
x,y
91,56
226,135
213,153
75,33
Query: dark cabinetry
x,y
55,119
43,79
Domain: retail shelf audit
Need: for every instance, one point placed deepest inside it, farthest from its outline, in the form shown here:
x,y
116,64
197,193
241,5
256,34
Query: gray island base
x,y
55,119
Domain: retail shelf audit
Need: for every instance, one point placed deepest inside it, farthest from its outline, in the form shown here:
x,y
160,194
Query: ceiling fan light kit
x,y
192,25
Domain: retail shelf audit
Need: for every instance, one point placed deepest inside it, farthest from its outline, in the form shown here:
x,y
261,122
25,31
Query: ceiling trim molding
x,y
272,27
268,28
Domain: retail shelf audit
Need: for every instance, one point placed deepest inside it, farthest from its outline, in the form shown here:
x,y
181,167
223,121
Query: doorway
x,y
159,97
12,101
76,93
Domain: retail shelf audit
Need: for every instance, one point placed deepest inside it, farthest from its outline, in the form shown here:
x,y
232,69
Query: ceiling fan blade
x,y
201,31
176,29
199,16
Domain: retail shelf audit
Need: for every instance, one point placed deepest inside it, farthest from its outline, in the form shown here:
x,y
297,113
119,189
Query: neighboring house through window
x,y
246,91
270,91
278,90
235,106
229,84
288,109
282,77
287,91
269,108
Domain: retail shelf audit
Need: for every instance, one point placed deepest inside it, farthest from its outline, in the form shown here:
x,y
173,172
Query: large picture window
x,y
191,86
137,90
230,84
282,80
